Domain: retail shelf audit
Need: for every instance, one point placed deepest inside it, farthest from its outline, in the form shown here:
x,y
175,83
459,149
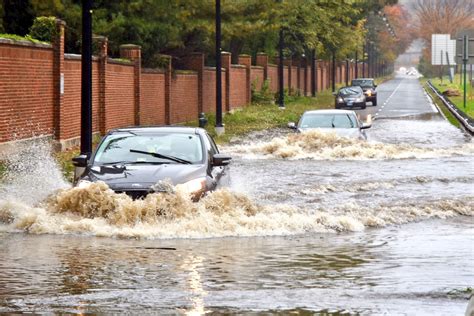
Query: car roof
x,y
159,129
363,79
329,112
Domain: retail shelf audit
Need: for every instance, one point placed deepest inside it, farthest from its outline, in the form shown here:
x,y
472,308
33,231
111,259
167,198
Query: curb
x,y
463,119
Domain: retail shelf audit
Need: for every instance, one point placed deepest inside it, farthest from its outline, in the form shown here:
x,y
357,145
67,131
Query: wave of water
x,y
329,146
94,209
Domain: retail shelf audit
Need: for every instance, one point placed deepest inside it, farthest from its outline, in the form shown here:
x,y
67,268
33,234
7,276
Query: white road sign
x,y
440,44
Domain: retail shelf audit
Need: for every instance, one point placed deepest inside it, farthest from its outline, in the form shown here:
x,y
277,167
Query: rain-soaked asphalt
x,y
361,228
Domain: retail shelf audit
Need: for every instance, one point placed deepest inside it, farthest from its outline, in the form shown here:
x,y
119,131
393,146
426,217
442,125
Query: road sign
x,y
440,45
460,48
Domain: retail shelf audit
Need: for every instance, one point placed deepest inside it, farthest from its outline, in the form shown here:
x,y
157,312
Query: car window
x,y
350,91
342,120
363,82
116,147
214,149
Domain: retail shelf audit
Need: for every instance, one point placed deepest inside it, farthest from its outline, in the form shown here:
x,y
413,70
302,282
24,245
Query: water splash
x,y
32,173
329,146
96,210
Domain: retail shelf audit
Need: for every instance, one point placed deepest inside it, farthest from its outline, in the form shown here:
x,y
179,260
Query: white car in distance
x,y
344,123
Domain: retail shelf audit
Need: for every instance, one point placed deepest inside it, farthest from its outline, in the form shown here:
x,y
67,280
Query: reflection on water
x,y
375,272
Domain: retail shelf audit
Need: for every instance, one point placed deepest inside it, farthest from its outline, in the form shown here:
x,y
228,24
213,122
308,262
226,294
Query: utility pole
x,y
313,73
347,71
333,73
356,74
281,96
464,60
364,60
86,80
219,126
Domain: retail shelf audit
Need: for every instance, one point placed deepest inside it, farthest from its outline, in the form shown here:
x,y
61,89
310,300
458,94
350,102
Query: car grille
x,y
135,194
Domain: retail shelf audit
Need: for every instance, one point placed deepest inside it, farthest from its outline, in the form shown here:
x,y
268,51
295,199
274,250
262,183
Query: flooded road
x,y
311,223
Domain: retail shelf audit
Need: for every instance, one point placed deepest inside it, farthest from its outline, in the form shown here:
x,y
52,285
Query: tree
x,y
441,17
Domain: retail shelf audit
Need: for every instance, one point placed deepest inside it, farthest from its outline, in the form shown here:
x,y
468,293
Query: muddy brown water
x,y
309,225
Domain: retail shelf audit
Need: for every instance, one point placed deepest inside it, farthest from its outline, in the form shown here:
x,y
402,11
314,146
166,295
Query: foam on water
x,y
329,146
94,209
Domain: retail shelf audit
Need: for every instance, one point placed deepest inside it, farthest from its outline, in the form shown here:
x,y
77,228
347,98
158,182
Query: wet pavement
x,y
313,225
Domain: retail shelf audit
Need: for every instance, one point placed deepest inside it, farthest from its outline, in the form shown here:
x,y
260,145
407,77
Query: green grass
x,y
447,113
21,38
264,116
458,101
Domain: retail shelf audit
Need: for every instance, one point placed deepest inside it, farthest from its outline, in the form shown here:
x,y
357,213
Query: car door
x,y
218,174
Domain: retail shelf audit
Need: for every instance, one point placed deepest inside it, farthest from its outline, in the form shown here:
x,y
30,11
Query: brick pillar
x,y
295,63
168,71
195,62
133,53
246,60
287,62
103,57
58,80
305,74
262,61
226,64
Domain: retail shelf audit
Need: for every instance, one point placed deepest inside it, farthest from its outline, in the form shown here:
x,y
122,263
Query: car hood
x,y
343,132
139,177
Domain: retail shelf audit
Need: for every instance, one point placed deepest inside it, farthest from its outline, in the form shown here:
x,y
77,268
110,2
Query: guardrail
x,y
463,119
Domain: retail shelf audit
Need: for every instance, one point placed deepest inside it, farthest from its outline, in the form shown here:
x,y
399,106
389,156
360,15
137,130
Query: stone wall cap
x,y
225,53
24,43
130,46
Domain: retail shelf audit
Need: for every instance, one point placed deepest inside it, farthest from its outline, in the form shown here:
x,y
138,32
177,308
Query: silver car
x,y
344,123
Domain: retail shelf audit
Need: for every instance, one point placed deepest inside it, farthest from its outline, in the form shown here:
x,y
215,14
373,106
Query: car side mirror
x,y
80,161
221,160
291,125
365,125
375,86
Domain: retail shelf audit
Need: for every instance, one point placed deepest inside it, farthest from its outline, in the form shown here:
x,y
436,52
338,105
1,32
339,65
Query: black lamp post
x,y
333,73
86,81
219,126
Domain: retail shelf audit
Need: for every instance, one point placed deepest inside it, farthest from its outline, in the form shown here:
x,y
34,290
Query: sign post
x,y
464,60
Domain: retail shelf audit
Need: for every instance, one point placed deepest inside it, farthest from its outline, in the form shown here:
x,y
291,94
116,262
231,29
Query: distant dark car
x,y
133,160
369,86
350,97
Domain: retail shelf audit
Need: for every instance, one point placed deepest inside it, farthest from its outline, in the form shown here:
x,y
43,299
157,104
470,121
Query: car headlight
x,y
360,99
339,99
195,186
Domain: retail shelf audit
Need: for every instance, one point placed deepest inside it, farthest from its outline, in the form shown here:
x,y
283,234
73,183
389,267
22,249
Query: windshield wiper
x,y
157,155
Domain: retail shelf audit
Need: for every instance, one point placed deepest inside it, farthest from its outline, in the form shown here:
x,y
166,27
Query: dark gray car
x,y
133,160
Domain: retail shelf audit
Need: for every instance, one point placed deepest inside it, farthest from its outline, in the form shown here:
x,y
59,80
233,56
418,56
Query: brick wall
x,y
238,88
26,91
257,77
184,98
273,77
119,103
124,94
71,115
209,90
152,105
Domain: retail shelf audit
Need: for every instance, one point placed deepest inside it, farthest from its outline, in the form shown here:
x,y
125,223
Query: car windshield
x,y
350,91
363,82
342,120
149,148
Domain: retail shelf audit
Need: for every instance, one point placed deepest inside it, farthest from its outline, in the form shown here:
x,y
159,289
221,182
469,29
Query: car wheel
x,y
363,106
374,102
